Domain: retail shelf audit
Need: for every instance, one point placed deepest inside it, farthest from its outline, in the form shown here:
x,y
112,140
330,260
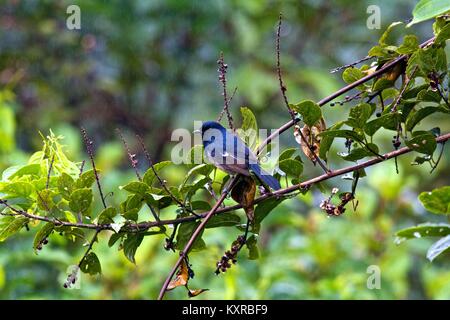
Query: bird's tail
x,y
265,177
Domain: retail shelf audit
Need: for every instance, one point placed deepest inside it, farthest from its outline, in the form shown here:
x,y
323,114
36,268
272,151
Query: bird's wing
x,y
234,156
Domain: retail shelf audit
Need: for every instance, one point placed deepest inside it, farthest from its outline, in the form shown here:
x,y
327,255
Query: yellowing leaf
x,y
244,194
196,292
182,277
312,138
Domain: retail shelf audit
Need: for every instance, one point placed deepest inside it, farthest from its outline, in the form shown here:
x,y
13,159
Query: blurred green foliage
x,y
149,67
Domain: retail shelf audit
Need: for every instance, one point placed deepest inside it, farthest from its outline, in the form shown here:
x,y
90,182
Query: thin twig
x,y
219,118
223,79
91,243
82,168
402,92
351,64
439,157
442,96
131,156
283,88
88,143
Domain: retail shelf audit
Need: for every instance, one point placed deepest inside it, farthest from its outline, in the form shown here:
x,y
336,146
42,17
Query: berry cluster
x,y
230,255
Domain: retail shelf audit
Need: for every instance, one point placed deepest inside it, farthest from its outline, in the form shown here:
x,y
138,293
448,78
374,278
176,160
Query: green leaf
x,y
291,167
158,201
42,234
360,152
427,9
203,169
410,45
425,230
80,200
286,154
185,232
436,201
71,233
65,185
228,219
382,84
200,205
91,264
130,245
429,95
438,247
348,134
17,189
33,169
86,179
45,199
423,142
114,237
136,187
107,215
327,141
253,252
309,110
359,115
386,33
264,208
443,35
429,60
415,117
131,214
249,129
11,225
388,121
149,176
134,202
352,74
191,189
195,156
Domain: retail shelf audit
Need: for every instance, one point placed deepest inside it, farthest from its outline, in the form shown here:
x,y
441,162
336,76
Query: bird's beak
x,y
196,131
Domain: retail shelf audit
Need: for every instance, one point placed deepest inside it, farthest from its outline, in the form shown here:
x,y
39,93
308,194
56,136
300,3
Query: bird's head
x,y
212,125
212,129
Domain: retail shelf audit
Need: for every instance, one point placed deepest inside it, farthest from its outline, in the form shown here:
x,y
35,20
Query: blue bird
x,y
228,152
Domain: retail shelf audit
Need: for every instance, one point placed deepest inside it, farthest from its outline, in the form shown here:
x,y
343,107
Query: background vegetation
x,y
149,67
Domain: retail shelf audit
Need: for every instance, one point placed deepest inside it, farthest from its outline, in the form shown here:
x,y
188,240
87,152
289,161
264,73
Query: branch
x,y
88,144
131,156
226,102
283,88
194,236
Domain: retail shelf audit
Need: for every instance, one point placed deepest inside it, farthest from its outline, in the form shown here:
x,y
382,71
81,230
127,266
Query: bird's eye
x,y
213,138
